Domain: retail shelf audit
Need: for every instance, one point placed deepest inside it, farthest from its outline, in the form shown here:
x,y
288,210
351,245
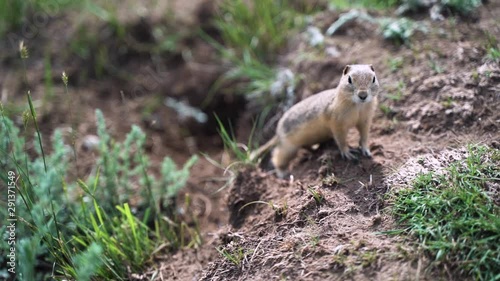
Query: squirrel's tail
x,y
263,149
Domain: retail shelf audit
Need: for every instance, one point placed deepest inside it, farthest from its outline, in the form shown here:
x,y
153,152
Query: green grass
x,y
454,217
492,47
463,7
254,33
13,13
260,29
397,30
317,195
371,4
398,91
241,152
85,228
395,64
235,256
456,7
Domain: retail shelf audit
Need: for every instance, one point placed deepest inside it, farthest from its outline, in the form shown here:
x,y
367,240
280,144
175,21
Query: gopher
x,y
328,114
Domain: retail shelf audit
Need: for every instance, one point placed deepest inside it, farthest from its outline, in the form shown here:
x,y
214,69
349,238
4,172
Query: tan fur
x,y
328,114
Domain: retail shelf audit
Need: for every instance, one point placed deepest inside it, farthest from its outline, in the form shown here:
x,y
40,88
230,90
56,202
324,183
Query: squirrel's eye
x,y
373,80
349,80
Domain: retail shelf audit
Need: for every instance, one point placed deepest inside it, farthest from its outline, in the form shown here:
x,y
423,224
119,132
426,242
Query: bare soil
x,y
450,95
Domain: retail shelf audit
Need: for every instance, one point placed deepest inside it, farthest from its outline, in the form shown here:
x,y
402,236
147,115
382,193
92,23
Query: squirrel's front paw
x,y
347,155
366,152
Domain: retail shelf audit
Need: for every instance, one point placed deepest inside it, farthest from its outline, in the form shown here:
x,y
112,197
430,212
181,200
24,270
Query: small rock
x,y
90,143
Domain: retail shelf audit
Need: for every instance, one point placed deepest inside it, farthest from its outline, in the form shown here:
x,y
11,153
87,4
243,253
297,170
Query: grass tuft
x,y
397,30
240,151
258,27
454,215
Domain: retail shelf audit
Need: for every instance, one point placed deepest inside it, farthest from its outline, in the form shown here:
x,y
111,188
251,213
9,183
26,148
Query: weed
x,y
398,30
235,256
492,47
368,258
494,54
279,211
379,4
314,240
453,215
240,151
386,109
435,66
252,77
461,7
395,63
13,13
317,195
259,28
475,76
253,33
24,54
372,4
448,103
339,260
400,90
331,180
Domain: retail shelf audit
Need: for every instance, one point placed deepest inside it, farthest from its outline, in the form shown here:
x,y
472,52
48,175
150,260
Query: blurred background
x,y
133,89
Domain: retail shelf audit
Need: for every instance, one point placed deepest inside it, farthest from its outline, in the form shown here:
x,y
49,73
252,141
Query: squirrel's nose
x,y
362,95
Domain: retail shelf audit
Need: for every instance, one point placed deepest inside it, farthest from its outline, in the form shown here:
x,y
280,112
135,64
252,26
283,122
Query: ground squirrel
x,y
330,113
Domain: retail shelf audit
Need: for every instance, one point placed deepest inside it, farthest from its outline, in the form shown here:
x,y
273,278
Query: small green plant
x,y
368,258
258,28
372,4
317,195
379,4
252,77
331,180
492,47
435,66
448,102
314,240
395,63
399,92
398,30
386,109
235,256
253,34
13,13
240,151
279,211
461,7
494,54
454,215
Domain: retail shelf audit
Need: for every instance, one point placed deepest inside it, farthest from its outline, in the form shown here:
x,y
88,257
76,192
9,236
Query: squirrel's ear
x,y
373,69
346,69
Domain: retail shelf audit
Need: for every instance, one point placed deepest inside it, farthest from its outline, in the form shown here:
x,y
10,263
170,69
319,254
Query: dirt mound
x,y
316,227
455,101
328,222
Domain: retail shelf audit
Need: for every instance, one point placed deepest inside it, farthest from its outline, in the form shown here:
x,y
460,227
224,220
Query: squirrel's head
x,y
360,81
